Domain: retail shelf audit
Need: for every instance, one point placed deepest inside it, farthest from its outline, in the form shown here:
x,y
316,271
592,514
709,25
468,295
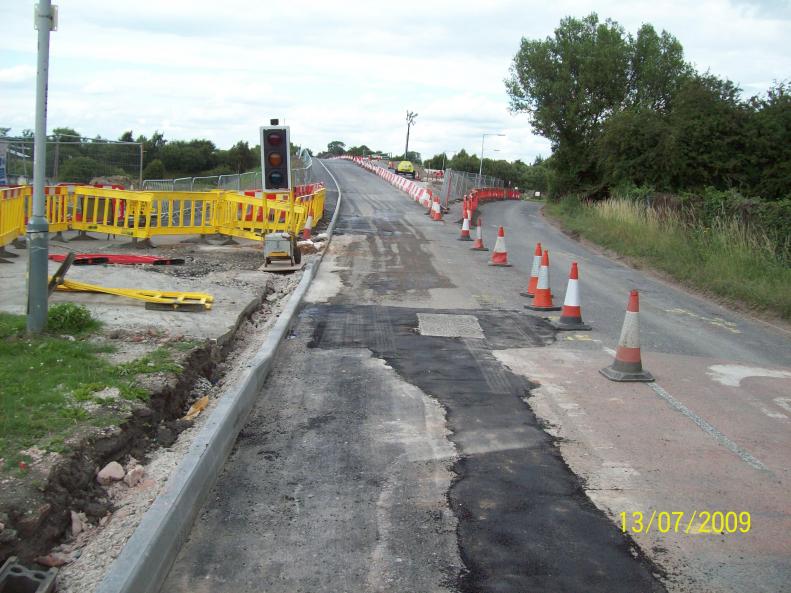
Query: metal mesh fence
x,y
76,159
456,184
301,174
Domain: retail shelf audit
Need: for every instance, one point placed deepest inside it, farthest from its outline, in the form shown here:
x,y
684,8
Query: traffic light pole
x,y
38,227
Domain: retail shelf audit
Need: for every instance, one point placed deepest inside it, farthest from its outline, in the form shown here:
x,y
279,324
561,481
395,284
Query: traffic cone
x,y
500,253
437,212
478,245
533,280
308,226
571,314
543,298
430,205
465,228
628,365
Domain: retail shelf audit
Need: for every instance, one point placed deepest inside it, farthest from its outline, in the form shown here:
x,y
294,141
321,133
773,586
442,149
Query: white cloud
x,y
336,70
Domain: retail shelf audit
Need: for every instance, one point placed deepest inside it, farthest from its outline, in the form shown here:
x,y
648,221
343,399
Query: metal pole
x,y
140,175
480,168
38,227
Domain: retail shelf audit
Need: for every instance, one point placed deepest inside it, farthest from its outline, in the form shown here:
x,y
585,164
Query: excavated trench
x,y
38,518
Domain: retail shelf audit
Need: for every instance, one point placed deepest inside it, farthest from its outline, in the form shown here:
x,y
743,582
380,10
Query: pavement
x,y
228,272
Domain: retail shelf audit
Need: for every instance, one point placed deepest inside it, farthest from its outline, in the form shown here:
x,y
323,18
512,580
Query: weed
x,y
70,318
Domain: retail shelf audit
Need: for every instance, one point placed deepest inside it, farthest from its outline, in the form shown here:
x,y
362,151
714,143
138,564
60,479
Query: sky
x,y
335,70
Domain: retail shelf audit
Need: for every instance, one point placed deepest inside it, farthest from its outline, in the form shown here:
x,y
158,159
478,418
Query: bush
x,y
154,170
80,169
69,318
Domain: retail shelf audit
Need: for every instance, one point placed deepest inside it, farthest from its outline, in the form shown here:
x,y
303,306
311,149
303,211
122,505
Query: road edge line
x,y
148,555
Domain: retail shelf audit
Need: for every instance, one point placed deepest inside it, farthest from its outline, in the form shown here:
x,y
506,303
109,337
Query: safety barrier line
x,y
142,215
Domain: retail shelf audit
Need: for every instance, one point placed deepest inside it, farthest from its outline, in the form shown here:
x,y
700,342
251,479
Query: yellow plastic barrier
x,y
143,215
252,217
12,212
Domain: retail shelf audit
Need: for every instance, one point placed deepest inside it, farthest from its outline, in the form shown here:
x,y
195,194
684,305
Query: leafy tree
x,y
127,136
570,84
336,148
770,143
240,157
154,170
709,124
79,170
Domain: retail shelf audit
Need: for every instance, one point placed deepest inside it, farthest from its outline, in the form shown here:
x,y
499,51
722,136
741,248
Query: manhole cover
x,y
449,326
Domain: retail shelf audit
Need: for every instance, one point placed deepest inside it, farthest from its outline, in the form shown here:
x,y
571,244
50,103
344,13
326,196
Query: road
x,y
422,431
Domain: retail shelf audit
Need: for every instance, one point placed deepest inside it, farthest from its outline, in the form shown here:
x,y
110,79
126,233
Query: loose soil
x,y
55,511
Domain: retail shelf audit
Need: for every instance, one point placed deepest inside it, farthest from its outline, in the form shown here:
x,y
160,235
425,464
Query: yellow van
x,y
406,169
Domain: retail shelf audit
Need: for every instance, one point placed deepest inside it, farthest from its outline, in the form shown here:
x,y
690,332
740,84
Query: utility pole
x,y
38,227
410,121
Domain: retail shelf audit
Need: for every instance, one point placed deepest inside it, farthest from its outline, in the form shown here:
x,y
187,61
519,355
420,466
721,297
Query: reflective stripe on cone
x,y
628,365
571,314
500,253
543,298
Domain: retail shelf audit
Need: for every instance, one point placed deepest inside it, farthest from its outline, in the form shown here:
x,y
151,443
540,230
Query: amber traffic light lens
x,y
275,159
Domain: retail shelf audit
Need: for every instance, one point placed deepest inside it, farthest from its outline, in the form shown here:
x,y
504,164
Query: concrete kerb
x,y
145,560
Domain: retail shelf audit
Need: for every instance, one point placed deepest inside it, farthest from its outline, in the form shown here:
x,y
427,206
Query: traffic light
x,y
276,157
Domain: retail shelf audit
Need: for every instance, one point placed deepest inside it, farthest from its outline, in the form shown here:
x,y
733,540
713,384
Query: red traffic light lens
x,y
274,138
275,159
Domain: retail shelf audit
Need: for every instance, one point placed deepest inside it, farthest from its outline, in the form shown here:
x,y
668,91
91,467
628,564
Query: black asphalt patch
x,y
525,523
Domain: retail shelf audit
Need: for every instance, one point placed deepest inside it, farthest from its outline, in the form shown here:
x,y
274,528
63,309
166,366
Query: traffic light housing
x,y
276,157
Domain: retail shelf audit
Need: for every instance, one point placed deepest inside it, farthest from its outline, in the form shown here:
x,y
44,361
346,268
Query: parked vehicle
x,y
406,169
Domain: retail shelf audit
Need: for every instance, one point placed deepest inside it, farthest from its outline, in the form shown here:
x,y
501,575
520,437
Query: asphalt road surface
x,y
421,431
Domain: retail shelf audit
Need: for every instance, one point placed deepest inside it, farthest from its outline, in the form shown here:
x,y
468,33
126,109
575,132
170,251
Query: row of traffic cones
x,y
628,363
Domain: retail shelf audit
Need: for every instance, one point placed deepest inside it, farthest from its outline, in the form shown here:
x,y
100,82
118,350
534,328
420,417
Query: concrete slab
x,y
228,272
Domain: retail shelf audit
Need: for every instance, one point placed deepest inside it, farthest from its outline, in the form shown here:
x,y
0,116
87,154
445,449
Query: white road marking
x,y
783,402
733,374
706,427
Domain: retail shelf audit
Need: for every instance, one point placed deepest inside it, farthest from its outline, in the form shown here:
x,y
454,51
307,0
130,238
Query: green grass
x,y
727,259
48,386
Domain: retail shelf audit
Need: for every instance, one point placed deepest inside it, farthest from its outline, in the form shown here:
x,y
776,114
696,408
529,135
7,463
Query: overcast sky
x,y
339,70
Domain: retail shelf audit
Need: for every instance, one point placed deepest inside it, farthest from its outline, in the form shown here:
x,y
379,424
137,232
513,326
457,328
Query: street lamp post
x,y
37,226
480,168
410,121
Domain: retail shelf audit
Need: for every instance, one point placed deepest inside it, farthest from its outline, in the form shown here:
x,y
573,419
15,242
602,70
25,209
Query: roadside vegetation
x,y
724,257
54,385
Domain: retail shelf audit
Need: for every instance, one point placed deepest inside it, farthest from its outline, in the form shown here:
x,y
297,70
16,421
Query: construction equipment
x,y
281,253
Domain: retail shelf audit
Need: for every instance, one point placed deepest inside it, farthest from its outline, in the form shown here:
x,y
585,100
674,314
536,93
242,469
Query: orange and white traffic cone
x,y
500,253
430,205
436,213
478,245
571,314
465,227
308,226
533,280
543,299
628,365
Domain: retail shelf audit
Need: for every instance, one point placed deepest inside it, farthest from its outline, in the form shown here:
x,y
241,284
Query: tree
x,y
336,148
570,84
80,169
154,170
127,136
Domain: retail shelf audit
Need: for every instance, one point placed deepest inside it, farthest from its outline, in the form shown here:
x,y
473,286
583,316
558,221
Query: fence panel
x,y
12,212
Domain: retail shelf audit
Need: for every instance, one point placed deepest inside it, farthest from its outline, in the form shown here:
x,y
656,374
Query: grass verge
x,y
726,259
52,386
